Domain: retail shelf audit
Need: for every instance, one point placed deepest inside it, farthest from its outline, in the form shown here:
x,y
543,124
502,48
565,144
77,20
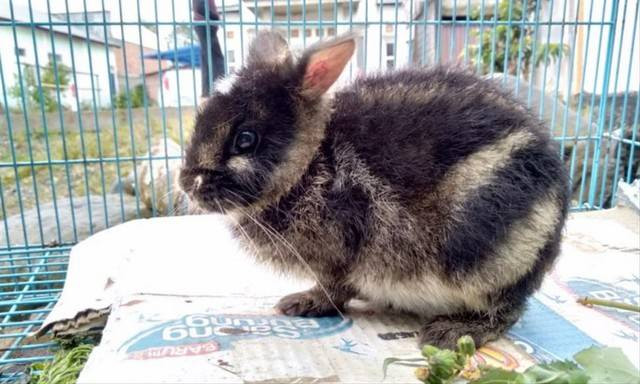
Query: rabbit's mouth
x,y
215,191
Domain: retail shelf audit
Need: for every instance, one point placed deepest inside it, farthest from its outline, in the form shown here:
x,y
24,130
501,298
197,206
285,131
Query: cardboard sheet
x,y
186,305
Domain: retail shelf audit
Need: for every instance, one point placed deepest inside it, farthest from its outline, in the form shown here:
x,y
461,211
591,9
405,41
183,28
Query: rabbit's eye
x,y
245,141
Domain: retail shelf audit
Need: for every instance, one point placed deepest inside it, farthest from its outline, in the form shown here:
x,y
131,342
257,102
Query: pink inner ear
x,y
316,73
325,66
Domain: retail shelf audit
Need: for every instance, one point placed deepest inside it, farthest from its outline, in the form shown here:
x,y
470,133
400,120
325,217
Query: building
x,y
382,42
133,68
583,28
180,75
87,52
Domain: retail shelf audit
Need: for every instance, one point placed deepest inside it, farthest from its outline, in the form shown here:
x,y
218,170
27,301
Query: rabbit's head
x,y
260,129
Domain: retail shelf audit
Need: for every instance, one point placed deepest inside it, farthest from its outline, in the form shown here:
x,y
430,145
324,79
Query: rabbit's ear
x,y
268,48
324,64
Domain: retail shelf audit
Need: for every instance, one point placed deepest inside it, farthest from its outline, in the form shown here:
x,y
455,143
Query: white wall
x,y
235,39
43,47
380,31
626,49
180,87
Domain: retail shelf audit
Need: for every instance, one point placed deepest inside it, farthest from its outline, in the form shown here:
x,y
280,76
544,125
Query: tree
x,y
52,81
515,40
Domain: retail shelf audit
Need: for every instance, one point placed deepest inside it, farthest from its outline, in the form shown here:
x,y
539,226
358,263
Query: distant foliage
x,y
134,98
53,80
514,41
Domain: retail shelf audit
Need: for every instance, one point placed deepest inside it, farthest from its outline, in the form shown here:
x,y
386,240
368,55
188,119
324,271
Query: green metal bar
x,y
45,128
30,346
366,36
438,29
175,63
193,70
603,102
380,44
106,159
129,112
22,283
605,168
494,32
223,27
30,292
45,273
451,30
113,114
25,112
395,35
2,204
509,36
146,114
79,117
579,111
534,49
31,250
565,114
4,214
263,23
480,36
546,63
467,24
208,35
63,140
523,22
33,265
412,30
16,342
241,23
624,112
634,140
591,106
95,119
271,12
554,107
7,317
163,113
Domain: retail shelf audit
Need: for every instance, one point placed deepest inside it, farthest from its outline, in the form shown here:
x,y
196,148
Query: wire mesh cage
x,y
98,98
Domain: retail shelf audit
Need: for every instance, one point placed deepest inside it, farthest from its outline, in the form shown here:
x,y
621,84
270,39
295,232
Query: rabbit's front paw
x,y
309,303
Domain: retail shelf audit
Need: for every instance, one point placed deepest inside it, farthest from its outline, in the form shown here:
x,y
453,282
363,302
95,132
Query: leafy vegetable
x,y
608,365
597,365
63,369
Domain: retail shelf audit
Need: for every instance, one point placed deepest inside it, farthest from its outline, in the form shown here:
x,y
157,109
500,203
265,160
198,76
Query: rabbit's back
x,y
411,126
470,188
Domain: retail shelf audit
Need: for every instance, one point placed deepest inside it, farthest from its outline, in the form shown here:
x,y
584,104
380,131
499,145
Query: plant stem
x,y
589,301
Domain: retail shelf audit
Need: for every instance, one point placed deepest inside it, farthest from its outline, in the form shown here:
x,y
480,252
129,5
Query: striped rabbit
x,y
427,191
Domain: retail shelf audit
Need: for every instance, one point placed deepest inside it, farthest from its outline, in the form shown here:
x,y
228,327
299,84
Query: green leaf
x,y
559,372
499,376
608,365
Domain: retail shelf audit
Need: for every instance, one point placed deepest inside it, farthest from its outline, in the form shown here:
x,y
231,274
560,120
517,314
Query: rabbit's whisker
x,y
296,254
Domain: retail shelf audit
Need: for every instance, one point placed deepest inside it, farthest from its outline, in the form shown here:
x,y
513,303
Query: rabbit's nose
x,y
197,182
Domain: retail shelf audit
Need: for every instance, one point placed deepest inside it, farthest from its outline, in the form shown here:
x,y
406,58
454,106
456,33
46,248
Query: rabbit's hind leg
x,y
445,330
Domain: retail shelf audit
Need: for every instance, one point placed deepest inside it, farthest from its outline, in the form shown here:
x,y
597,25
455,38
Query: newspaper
x,y
184,304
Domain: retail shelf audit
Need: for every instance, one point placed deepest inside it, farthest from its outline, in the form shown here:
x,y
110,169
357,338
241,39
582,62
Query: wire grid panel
x,y
98,99
30,282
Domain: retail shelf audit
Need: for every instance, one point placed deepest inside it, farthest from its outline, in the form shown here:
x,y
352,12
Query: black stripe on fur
x,y
487,216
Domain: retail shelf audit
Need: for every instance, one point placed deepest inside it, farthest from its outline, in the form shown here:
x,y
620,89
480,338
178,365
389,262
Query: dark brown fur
x,y
430,191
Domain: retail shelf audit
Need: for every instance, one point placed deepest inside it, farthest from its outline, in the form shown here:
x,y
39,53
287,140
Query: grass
x,y
86,154
64,368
